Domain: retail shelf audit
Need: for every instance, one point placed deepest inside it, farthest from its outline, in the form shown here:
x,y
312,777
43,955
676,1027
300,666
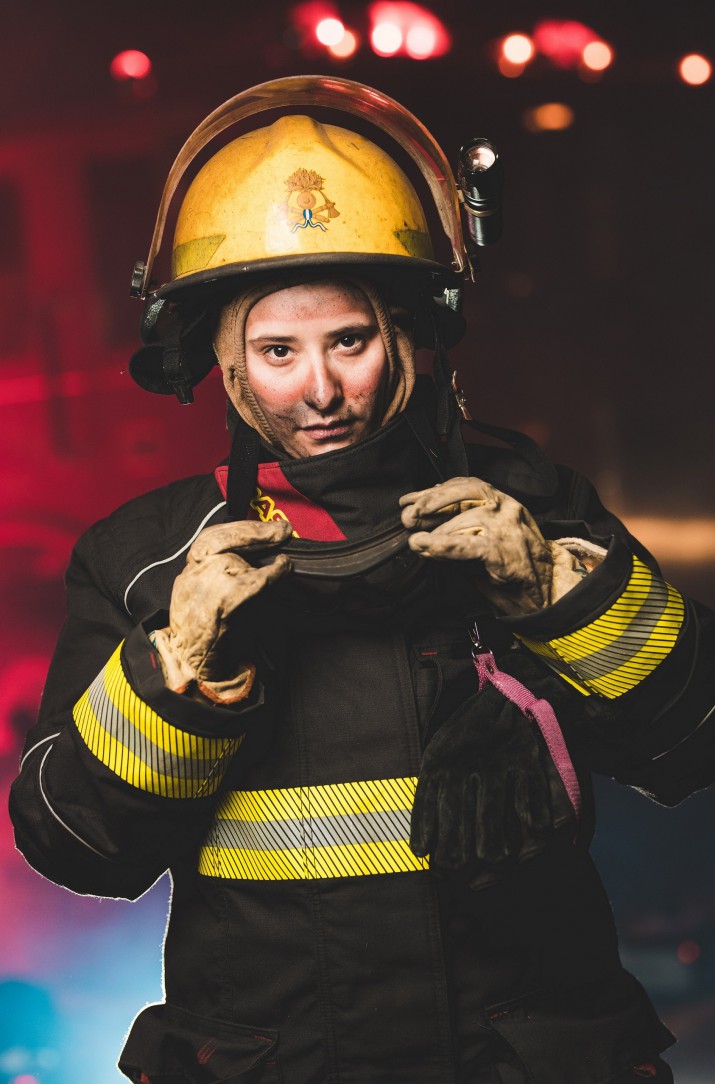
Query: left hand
x,y
466,519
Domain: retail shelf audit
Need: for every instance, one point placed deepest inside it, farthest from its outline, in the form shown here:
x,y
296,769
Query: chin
x,y
327,446
307,447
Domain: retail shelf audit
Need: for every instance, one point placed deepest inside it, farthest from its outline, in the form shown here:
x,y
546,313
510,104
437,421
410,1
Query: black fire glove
x,y
489,794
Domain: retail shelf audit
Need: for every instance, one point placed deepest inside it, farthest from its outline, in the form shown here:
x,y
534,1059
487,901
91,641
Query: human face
x,y
317,365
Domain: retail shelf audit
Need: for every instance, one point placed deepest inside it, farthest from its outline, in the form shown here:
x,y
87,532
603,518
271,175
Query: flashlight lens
x,y
479,157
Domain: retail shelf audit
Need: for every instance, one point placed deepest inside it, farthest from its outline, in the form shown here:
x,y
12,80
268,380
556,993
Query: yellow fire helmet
x,y
301,192
297,193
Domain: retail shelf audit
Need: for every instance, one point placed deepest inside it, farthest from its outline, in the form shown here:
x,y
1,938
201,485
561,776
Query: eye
x,y
348,342
279,351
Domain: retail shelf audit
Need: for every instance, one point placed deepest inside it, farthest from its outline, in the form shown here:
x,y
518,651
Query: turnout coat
x,y
306,942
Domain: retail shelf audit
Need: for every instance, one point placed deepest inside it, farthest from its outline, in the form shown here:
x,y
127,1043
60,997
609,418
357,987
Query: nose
x,y
323,389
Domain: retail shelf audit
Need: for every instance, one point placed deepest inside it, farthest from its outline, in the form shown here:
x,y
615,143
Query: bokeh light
x,y
130,64
508,68
386,39
399,26
549,117
688,952
330,32
420,42
517,48
695,69
563,42
597,56
345,47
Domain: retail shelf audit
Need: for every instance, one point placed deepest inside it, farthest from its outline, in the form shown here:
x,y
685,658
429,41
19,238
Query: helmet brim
x,y
201,286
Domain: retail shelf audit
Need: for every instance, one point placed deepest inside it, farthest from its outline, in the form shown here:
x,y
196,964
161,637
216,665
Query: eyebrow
x,y
347,329
271,339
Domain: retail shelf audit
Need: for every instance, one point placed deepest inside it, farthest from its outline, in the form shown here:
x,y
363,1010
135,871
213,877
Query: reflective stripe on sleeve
x,y
142,748
624,645
305,833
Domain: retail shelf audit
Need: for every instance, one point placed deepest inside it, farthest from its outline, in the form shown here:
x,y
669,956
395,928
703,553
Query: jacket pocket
x,y
169,1045
582,1035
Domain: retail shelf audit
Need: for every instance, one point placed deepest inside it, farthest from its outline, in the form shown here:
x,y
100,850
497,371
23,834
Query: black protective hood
x,y
341,501
357,558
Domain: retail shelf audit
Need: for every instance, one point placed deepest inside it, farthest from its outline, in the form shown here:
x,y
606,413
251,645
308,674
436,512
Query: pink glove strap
x,y
541,712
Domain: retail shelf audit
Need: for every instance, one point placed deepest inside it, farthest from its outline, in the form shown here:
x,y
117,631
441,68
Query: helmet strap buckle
x,y
460,398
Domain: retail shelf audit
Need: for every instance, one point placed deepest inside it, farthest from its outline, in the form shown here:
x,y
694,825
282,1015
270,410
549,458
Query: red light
x,y
563,42
688,952
317,23
404,27
511,71
420,42
695,69
131,64
24,1078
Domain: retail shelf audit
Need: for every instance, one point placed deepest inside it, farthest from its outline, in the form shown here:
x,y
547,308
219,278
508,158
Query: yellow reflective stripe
x,y
305,833
143,749
365,796
623,646
163,734
310,864
554,660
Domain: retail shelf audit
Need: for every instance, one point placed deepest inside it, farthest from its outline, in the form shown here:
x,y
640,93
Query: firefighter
x,y
349,688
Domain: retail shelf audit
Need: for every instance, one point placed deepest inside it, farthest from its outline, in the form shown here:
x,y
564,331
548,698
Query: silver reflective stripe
x,y
305,833
117,725
316,832
141,747
613,653
627,643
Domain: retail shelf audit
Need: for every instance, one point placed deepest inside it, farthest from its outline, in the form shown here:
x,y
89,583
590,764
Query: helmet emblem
x,y
304,187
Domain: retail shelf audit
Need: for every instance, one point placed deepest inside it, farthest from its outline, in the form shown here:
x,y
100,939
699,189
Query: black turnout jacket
x,y
307,943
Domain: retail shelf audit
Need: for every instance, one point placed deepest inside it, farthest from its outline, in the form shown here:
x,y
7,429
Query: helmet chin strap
x,y
448,407
243,466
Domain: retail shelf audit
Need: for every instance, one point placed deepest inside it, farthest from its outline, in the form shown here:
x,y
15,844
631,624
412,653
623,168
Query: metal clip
x,y
460,398
138,285
478,645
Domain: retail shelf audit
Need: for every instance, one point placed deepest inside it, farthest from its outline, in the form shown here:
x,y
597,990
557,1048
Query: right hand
x,y
215,582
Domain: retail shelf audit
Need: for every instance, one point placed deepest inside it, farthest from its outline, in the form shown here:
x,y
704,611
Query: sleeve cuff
x,y
611,631
123,719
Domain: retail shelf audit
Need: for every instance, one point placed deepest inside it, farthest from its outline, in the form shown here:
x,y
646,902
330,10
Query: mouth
x,y
324,431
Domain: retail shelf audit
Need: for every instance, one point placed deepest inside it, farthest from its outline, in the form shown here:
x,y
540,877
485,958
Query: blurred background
x,y
590,328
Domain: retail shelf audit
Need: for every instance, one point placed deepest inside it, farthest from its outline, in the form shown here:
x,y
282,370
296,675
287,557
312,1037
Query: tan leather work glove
x,y
466,519
214,583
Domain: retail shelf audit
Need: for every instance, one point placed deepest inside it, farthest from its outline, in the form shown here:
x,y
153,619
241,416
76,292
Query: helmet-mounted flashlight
x,y
480,179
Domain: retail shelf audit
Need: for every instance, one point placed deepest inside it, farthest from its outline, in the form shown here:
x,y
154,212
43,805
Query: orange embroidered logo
x,y
305,188
265,508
